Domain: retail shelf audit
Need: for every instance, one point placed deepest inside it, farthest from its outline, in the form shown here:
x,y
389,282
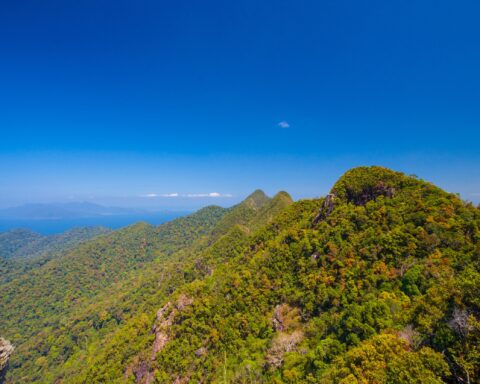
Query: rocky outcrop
x,y
355,196
281,344
369,193
287,324
6,349
181,380
143,368
182,302
163,321
202,351
326,208
143,373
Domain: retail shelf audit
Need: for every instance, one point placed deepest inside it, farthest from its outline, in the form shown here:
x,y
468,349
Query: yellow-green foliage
x,y
383,289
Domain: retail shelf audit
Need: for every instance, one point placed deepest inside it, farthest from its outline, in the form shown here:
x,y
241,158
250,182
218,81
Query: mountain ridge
x,y
376,282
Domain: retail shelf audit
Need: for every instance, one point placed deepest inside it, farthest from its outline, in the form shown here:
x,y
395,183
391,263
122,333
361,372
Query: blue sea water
x,y
48,227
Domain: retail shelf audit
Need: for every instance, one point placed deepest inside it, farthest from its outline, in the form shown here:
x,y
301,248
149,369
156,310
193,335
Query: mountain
x,y
63,211
378,282
116,274
12,242
22,250
23,243
42,302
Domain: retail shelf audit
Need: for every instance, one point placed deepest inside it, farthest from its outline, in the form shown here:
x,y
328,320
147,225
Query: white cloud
x,y
169,195
189,195
283,124
150,195
195,195
211,194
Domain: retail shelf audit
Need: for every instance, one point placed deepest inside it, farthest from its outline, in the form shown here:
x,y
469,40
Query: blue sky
x,y
115,101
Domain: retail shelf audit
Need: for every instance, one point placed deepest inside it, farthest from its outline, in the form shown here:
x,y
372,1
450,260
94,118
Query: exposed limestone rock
x,y
460,322
278,318
285,317
326,208
287,323
6,349
356,197
142,367
183,301
202,351
411,336
181,380
369,193
142,373
282,343
165,316
203,267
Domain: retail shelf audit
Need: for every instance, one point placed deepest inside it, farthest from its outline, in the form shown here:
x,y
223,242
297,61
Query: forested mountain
x,y
378,282
23,243
122,271
22,250
12,242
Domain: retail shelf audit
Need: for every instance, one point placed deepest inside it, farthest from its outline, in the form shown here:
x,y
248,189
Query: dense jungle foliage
x,y
379,282
22,250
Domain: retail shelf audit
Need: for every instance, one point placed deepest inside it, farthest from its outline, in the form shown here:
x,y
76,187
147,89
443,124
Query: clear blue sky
x,y
111,101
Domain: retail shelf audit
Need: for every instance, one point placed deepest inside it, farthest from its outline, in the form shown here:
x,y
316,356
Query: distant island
x,y
61,211
61,217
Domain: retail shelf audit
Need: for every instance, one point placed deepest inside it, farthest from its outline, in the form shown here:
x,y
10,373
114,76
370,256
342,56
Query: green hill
x,y
25,244
376,283
22,250
111,277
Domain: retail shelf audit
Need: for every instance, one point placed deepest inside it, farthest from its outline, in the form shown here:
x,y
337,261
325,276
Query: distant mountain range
x,y
72,210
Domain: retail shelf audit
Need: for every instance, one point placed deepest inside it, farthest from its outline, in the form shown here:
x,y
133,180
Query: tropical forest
x,y
376,282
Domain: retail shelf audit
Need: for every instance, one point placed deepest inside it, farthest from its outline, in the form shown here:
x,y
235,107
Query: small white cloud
x,y
190,195
211,194
283,124
149,195
195,195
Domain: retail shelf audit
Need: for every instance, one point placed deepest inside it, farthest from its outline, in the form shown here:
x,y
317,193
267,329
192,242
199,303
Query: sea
x,y
52,226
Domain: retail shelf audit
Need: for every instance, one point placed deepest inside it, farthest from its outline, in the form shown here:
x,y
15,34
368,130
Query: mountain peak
x,y
283,195
362,184
257,199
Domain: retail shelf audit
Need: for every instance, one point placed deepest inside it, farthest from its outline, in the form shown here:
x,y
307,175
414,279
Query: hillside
x,y
38,302
117,273
22,250
376,283
12,242
23,243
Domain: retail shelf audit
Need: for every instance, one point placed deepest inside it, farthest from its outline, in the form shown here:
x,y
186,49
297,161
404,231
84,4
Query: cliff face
x,y
6,350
